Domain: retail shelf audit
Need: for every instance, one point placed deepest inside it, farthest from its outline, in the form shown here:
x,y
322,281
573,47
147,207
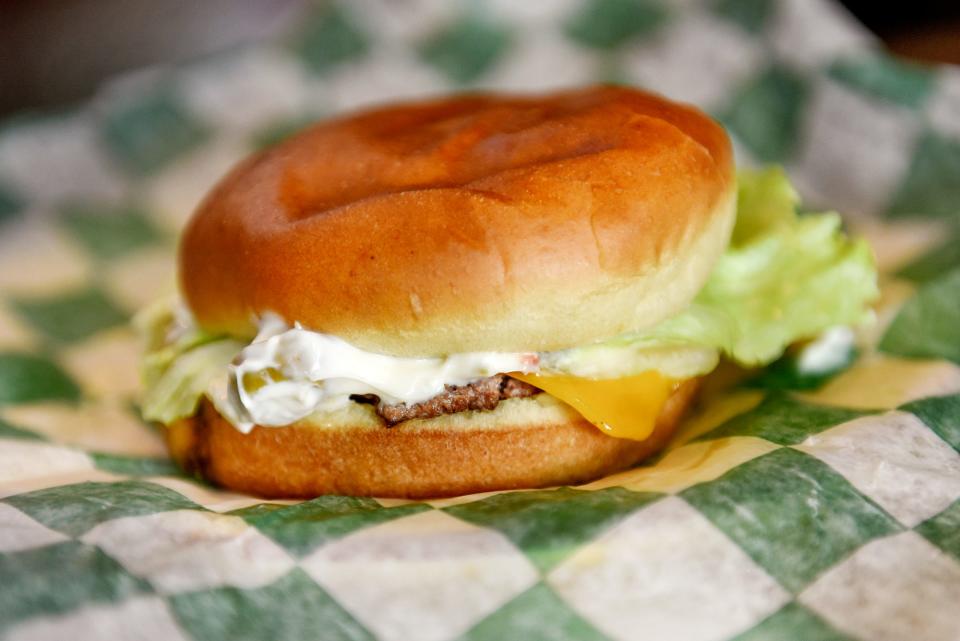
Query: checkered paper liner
x,y
790,508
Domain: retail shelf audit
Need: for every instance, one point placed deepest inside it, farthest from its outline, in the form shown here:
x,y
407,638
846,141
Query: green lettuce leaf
x,y
180,362
175,392
784,278
168,331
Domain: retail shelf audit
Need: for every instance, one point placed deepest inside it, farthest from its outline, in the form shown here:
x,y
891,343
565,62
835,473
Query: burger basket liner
x,y
788,508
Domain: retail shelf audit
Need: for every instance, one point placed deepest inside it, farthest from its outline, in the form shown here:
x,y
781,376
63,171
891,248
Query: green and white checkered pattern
x,y
793,508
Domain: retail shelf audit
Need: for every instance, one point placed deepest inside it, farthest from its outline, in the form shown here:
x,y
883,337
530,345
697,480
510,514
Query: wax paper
x,y
791,507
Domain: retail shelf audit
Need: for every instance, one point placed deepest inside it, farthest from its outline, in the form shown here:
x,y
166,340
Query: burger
x,y
480,292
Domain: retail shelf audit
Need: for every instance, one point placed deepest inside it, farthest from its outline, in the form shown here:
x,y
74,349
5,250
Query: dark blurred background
x,y
56,52
924,30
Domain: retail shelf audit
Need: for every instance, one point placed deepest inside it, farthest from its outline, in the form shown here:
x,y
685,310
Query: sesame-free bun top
x,y
471,223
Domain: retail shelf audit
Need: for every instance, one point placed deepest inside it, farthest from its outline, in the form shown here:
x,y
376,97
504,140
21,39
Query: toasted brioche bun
x,y
524,443
473,223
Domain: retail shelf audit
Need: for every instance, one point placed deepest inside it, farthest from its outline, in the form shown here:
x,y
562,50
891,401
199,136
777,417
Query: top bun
x,y
471,223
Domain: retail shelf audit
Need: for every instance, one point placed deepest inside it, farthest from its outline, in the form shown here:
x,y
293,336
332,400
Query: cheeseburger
x,y
478,293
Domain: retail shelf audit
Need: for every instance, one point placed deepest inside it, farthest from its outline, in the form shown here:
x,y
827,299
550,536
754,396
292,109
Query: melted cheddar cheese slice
x,y
621,407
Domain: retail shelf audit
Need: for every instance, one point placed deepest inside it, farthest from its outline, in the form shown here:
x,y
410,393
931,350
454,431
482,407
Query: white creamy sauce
x,y
288,373
828,352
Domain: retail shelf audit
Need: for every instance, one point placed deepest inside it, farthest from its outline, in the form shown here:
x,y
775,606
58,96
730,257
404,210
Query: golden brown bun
x,y
524,443
480,222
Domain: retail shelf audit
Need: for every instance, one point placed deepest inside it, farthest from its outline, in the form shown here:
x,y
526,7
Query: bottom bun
x,y
523,443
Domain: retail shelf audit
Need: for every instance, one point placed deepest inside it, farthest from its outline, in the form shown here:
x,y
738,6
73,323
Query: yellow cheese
x,y
621,407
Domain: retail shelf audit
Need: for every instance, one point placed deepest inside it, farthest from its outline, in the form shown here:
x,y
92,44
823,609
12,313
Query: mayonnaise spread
x,y
288,373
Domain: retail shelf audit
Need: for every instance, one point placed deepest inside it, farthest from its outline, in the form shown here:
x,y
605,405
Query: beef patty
x,y
484,394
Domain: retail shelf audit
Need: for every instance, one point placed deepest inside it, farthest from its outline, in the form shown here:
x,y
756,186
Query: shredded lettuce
x,y
176,391
181,360
168,330
785,277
